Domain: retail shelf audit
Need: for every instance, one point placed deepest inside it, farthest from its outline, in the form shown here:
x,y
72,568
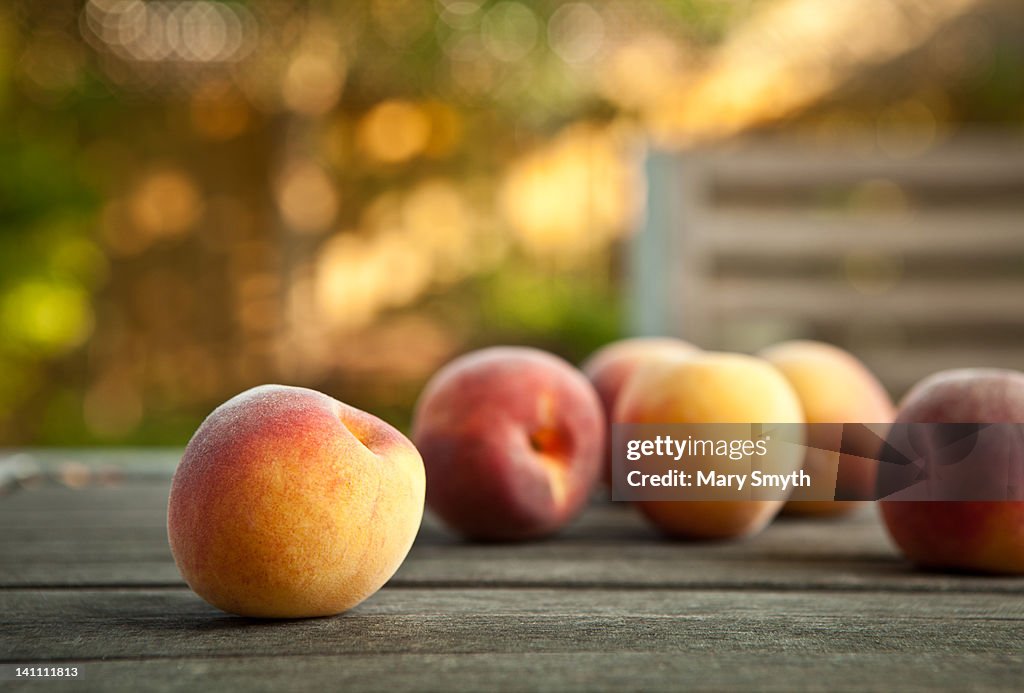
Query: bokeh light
x,y
190,31
314,78
509,31
307,197
576,32
394,131
52,317
571,197
166,203
200,195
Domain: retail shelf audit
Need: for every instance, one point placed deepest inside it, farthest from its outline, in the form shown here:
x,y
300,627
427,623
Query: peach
x,y
834,387
512,439
288,503
711,387
612,365
982,536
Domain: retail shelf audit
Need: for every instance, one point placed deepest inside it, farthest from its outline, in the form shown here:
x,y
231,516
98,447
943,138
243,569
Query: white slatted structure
x,y
916,263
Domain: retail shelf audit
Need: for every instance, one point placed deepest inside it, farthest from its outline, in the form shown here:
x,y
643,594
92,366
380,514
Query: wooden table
x,y
86,580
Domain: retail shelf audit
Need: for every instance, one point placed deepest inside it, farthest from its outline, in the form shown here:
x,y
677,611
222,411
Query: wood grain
x,y
569,672
86,578
116,536
94,624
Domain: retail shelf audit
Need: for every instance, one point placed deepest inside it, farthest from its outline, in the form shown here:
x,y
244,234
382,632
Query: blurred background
x,y
197,197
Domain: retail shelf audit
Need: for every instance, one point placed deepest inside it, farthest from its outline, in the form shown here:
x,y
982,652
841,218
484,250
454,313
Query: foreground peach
x,y
288,503
834,387
711,387
512,440
983,536
611,366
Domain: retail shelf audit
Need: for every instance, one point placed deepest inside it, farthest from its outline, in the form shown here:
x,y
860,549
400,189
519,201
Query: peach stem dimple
x,y
356,433
547,443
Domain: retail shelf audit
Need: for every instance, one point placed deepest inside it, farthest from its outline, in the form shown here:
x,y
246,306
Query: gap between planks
x,y
571,586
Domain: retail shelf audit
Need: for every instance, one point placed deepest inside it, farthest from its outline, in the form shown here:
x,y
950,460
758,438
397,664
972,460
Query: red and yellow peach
x,y
611,366
512,439
984,535
710,387
834,387
288,503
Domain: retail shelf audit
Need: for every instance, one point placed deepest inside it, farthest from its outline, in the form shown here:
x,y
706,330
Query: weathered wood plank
x,y
772,235
787,538
115,536
805,605
53,499
509,570
89,624
568,672
978,161
652,659
912,302
137,511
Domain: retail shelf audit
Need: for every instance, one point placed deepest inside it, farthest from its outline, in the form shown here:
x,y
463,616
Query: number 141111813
x,y
48,672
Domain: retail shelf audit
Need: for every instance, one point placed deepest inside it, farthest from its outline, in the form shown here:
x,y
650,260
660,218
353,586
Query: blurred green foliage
x,y
572,315
50,262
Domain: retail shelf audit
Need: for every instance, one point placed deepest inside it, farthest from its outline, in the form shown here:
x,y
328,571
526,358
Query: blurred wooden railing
x,y
914,262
